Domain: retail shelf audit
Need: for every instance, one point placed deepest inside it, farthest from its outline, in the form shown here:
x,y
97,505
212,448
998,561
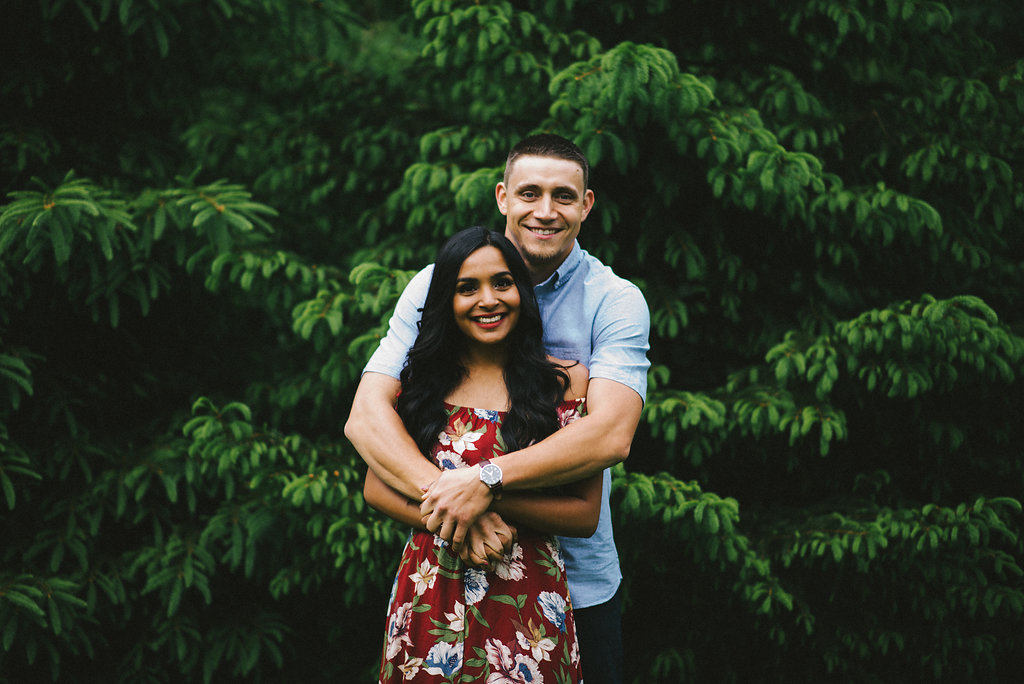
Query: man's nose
x,y
545,208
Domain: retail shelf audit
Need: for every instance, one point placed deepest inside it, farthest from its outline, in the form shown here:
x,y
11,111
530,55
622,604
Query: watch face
x,y
490,475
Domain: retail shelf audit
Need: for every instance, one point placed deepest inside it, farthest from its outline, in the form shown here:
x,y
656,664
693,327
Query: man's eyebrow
x,y
526,186
560,189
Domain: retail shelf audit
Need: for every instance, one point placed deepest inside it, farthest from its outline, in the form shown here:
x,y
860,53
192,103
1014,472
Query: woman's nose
x,y
487,297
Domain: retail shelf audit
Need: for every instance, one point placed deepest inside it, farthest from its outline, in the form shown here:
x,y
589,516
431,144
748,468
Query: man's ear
x,y
588,203
501,197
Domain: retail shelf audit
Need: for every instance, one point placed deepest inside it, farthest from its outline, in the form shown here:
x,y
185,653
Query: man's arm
x,y
398,468
380,437
596,441
487,541
618,371
373,426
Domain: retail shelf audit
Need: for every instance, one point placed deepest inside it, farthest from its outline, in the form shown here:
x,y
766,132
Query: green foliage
x,y
209,210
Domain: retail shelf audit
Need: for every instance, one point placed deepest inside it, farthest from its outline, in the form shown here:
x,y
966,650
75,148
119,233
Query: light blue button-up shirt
x,y
592,316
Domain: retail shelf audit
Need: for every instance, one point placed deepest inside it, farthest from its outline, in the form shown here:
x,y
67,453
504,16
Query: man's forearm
x,y
599,440
571,454
380,437
590,444
397,462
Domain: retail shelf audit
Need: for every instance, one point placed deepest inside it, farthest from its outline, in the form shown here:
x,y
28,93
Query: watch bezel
x,y
490,475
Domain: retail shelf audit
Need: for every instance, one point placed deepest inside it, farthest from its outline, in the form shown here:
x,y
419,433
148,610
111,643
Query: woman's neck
x,y
484,385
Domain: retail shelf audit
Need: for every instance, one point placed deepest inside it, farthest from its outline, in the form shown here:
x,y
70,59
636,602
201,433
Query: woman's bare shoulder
x,y
579,376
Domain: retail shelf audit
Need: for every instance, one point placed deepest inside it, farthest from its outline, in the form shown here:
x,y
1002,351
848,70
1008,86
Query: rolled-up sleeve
x,y
621,338
390,356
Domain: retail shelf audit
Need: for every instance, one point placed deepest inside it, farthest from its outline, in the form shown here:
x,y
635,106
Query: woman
x,y
478,384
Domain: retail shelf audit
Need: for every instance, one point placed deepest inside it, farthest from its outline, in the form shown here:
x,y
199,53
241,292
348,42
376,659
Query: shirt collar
x,y
563,274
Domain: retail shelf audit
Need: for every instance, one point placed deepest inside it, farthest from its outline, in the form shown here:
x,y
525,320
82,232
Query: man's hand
x,y
487,541
453,503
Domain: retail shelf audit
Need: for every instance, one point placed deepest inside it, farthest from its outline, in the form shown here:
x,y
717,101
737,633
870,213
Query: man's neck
x,y
539,275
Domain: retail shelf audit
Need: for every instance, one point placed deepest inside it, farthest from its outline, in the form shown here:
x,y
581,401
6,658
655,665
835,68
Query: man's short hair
x,y
548,145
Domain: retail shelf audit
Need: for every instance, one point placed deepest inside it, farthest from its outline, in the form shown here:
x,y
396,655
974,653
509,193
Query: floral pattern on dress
x,y
461,437
451,623
449,460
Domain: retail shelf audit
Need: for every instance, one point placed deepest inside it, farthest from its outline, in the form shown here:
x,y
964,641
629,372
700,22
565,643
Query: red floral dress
x,y
451,623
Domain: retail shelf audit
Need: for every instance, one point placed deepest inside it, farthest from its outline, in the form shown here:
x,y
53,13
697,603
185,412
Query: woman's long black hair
x,y
435,364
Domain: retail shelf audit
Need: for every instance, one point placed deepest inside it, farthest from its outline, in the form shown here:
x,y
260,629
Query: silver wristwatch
x,y
490,475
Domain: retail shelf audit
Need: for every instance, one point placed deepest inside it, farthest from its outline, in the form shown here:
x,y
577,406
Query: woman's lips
x,y
489,321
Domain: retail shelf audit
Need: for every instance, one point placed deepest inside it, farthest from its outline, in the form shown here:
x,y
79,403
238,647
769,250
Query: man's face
x,y
544,204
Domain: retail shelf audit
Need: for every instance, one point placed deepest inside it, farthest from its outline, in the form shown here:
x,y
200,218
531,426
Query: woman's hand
x,y
487,541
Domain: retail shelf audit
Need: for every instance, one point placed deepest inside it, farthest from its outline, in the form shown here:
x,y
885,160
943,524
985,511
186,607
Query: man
x,y
590,315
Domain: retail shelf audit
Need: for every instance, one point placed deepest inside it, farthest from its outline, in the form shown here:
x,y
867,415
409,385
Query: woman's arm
x,y
574,513
391,503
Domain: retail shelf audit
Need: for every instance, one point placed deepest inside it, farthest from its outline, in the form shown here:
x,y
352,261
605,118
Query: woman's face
x,y
486,302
